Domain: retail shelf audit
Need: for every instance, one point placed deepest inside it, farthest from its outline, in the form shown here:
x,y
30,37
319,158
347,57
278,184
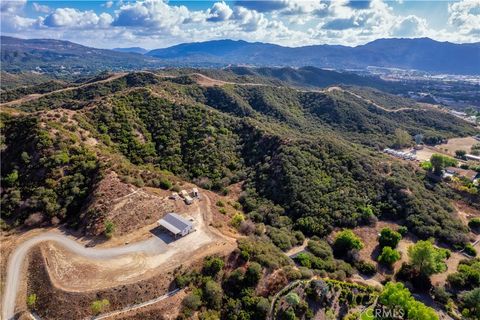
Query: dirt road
x,y
36,96
152,246
156,250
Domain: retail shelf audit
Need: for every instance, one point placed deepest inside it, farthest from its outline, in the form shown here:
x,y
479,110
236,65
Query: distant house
x,y
176,224
467,174
174,196
183,194
472,157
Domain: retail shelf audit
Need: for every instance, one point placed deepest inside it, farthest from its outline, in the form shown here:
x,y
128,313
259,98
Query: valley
x,y
297,202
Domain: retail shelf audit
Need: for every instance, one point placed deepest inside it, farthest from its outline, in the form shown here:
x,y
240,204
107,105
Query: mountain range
x,y
422,54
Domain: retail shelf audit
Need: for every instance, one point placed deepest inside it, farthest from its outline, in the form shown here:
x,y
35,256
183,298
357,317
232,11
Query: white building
x,y
176,224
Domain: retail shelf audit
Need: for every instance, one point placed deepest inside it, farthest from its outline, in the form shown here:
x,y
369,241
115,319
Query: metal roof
x,y
174,223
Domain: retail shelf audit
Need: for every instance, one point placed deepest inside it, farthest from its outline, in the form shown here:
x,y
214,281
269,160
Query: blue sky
x,y
160,23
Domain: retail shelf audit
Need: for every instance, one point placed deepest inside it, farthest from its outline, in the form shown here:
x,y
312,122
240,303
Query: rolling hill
x,y
60,57
308,159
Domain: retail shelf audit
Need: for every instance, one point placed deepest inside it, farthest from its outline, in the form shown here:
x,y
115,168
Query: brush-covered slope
x,y
306,157
58,57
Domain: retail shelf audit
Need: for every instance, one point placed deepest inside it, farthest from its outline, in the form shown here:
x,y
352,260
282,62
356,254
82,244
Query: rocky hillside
x,y
309,159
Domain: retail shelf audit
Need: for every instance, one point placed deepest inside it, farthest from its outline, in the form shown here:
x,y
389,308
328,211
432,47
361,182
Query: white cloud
x,y
12,6
410,26
74,18
465,15
158,23
220,11
108,4
41,8
155,14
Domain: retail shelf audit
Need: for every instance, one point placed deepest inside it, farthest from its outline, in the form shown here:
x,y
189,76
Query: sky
x,y
160,23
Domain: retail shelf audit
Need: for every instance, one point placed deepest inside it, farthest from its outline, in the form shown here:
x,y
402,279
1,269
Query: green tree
x,y
192,301
471,302
389,237
396,296
345,241
212,266
99,306
388,256
427,259
460,154
253,274
213,294
440,162
109,228
292,299
402,138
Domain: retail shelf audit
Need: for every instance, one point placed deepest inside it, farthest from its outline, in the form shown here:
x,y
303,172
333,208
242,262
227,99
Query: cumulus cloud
x,y
74,18
465,15
151,14
157,23
410,26
41,8
220,11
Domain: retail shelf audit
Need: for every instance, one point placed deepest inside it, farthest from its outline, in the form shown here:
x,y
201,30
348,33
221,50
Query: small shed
x,y
195,192
176,224
188,200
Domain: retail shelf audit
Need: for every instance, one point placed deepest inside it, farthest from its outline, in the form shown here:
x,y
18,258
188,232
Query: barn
x,y
176,224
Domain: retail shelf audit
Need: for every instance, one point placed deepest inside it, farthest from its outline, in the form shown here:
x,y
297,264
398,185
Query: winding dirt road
x,y
152,246
156,249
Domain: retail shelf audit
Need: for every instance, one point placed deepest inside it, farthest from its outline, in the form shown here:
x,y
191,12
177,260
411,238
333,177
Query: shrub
x,y
402,230
389,238
346,241
220,203
99,306
253,274
109,228
292,299
388,256
467,275
237,219
31,300
192,301
470,250
474,224
213,294
165,184
212,266
366,268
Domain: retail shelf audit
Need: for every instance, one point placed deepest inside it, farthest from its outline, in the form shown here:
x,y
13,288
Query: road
x,y
36,96
151,246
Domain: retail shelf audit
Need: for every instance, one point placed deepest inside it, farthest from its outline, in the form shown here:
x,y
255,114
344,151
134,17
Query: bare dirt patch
x,y
457,144
167,309
127,206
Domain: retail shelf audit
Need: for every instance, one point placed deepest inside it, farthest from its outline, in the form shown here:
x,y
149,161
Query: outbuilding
x,y
176,224
195,192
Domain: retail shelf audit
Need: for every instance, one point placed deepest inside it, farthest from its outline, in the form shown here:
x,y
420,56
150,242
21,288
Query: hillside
x,y
422,54
307,158
64,57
